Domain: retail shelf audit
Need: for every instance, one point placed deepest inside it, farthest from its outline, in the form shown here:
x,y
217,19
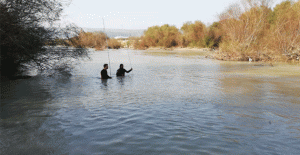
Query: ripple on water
x,y
167,105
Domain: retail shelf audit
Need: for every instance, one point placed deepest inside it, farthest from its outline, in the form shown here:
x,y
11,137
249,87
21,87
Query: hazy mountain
x,y
118,32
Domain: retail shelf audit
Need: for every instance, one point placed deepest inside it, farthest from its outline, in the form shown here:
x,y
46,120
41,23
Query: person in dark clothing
x,y
104,72
121,71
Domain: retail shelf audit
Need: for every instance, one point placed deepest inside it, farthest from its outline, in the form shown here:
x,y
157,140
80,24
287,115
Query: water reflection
x,y
104,82
121,80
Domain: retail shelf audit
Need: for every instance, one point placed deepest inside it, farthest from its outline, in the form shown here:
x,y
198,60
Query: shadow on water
x,y
125,80
25,110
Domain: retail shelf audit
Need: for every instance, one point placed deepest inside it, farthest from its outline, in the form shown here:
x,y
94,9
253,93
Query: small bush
x,y
159,36
114,44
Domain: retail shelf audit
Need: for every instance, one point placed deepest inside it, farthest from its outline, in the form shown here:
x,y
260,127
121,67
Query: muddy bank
x,y
292,57
179,49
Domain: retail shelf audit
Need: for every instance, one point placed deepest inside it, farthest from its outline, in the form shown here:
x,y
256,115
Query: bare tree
x,y
244,26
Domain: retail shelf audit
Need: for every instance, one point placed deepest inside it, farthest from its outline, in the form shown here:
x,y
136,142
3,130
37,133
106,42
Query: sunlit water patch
x,y
166,105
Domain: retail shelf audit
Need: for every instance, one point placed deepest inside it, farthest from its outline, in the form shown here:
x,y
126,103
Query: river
x,y
167,105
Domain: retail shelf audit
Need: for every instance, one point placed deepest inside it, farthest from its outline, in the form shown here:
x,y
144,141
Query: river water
x,y
166,105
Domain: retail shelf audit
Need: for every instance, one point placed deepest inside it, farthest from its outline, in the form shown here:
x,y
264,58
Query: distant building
x,y
121,38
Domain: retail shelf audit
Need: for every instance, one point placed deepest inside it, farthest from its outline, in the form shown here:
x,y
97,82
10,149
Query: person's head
x,y
121,66
105,66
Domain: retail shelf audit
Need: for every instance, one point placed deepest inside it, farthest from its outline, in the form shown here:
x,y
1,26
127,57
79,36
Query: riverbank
x,y
290,57
218,55
180,49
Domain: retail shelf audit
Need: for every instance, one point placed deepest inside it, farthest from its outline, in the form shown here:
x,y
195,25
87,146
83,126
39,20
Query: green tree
x,y
213,37
163,36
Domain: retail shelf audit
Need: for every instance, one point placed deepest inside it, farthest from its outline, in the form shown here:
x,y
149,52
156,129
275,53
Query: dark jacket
x,y
121,72
104,74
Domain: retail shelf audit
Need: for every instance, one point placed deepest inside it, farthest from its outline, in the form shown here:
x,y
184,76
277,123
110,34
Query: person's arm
x,y
108,77
128,70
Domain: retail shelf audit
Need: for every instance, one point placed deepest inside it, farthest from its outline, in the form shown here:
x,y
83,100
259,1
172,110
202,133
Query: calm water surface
x,y
166,105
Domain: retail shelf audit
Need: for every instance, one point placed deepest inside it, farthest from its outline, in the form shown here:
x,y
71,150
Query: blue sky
x,y
138,14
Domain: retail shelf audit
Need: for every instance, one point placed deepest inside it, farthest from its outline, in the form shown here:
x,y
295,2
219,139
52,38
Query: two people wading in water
x,y
120,72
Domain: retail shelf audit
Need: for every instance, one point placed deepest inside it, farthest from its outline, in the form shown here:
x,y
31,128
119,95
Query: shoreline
x,y
217,55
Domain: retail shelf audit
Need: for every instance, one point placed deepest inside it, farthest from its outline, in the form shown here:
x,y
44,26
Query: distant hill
x,y
117,32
